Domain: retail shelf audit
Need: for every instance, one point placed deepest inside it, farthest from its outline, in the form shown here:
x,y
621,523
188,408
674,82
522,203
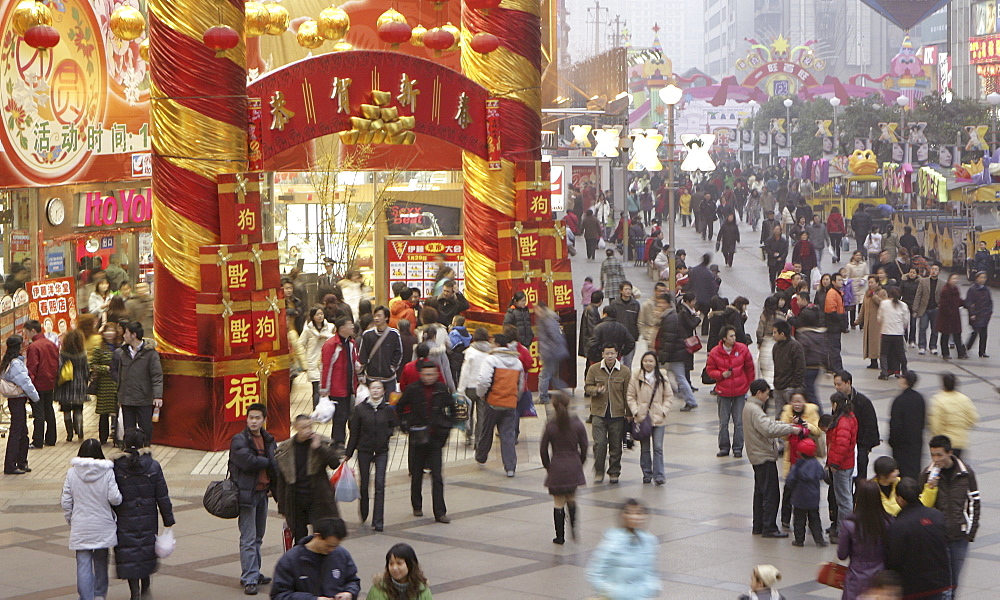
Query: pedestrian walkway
x,y
498,545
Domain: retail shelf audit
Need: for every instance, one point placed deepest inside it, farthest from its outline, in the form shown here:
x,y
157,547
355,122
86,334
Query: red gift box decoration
x,y
549,281
532,195
532,240
226,323
239,267
270,327
239,208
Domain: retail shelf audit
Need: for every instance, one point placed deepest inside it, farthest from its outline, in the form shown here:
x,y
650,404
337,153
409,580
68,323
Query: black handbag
x,y
419,435
706,379
222,498
643,430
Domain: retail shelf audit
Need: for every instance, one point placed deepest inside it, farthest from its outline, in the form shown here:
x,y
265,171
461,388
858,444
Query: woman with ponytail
x,y
144,493
567,436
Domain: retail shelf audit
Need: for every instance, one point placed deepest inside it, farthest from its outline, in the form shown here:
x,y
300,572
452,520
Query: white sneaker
x,y
934,351
922,351
912,345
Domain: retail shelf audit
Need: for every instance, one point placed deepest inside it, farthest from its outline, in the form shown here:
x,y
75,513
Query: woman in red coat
x,y
836,228
804,253
731,366
949,319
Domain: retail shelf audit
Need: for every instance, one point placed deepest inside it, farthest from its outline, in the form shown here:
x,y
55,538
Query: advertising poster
x,y
413,261
584,173
53,304
557,191
420,220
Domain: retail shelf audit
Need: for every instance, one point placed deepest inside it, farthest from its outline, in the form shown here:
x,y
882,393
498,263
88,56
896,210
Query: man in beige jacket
x,y
760,438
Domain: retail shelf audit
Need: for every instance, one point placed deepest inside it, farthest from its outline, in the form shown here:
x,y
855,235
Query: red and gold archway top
x,y
324,94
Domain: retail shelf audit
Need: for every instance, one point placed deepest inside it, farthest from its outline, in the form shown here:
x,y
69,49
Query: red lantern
x,y
484,43
41,37
221,38
484,5
395,32
438,39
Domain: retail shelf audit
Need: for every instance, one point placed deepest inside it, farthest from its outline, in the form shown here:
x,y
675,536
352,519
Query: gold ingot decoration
x,y
377,125
455,32
342,47
360,124
127,23
378,137
308,35
389,16
394,128
278,19
381,98
334,23
390,113
365,137
144,49
408,121
417,36
370,111
29,14
349,137
256,20
408,138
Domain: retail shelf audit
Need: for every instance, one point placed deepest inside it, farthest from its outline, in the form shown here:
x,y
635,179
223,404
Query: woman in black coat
x,y
372,424
519,315
736,315
144,491
906,426
567,436
729,236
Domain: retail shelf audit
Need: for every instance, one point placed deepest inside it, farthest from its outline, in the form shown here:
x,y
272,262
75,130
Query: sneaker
x,y
922,351
822,543
984,356
599,478
614,480
263,580
687,407
33,447
737,454
660,481
774,534
250,589
798,544
934,351
912,345
510,473
647,480
722,453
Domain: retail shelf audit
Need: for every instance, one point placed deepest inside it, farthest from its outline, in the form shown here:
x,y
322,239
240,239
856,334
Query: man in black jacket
x,y
380,350
588,323
766,229
450,303
776,251
918,546
861,224
140,381
678,324
789,365
425,410
318,566
609,330
864,410
626,309
906,427
253,468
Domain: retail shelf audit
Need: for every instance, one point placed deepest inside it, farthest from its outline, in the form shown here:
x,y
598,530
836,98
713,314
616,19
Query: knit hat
x,y
767,574
806,447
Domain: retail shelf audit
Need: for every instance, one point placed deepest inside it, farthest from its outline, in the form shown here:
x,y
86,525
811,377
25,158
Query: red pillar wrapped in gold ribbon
x,y
512,74
199,124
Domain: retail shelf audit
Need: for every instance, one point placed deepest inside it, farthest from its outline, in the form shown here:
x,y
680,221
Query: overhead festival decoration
x,y
906,13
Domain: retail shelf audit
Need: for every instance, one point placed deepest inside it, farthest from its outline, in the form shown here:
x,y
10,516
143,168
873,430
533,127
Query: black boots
x,y
559,516
139,589
572,519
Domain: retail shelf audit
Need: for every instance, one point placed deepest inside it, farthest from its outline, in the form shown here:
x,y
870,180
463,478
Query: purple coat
x,y
949,318
867,559
569,452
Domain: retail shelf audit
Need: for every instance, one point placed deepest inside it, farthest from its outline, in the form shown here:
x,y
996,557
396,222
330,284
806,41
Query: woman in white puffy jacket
x,y
475,355
315,333
88,494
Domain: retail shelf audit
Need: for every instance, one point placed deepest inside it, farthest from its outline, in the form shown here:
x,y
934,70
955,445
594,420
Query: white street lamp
x,y
835,103
902,101
994,100
788,123
671,95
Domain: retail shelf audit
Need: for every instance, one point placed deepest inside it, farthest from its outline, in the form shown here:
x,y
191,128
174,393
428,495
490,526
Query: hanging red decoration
x,y
484,43
483,5
41,37
438,39
395,32
221,38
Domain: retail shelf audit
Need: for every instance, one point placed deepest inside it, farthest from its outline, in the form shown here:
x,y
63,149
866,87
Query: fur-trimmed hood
x,y
91,469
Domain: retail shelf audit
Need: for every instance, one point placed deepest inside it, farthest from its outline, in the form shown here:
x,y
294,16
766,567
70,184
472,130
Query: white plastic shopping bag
x,y
165,543
347,486
324,410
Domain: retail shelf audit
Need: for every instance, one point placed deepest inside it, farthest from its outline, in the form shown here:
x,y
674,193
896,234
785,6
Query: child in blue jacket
x,y
805,476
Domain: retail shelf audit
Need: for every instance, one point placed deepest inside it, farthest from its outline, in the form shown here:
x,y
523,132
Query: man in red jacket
x,y
338,379
43,367
841,438
731,366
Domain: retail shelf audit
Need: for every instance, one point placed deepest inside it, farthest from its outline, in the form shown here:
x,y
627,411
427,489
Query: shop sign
x,y
984,50
413,261
55,262
142,164
100,209
53,303
20,240
241,392
407,218
556,178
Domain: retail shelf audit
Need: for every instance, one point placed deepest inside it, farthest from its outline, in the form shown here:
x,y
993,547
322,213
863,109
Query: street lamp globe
x,y
902,101
835,102
788,102
671,94
993,98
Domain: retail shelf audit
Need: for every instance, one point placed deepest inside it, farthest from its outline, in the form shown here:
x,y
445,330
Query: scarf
x,y
375,403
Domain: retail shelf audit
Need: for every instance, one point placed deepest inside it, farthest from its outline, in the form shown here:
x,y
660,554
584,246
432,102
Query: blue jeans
x,y
957,549
627,359
252,522
731,407
843,490
809,382
92,573
549,370
652,467
683,387
928,319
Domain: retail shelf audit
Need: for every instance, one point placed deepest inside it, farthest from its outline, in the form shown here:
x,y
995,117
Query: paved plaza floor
x,y
498,544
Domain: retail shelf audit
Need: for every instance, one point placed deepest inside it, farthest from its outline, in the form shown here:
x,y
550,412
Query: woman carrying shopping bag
x,y
72,382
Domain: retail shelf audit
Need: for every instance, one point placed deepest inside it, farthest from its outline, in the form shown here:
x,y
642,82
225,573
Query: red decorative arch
x,y
307,87
780,67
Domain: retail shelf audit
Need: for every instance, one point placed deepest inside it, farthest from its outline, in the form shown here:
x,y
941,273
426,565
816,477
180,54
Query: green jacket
x,y
376,593
615,389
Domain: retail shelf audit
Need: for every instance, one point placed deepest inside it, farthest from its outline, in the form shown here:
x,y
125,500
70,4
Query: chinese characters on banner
x,y
241,392
53,304
413,261
493,133
255,118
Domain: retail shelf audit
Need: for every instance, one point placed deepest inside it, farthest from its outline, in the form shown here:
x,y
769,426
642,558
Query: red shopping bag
x,y
286,536
337,474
